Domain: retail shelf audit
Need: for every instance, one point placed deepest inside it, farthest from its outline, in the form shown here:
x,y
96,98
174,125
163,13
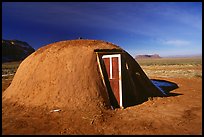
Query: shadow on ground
x,y
166,86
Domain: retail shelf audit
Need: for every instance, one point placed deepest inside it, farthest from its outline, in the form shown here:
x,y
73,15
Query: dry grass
x,y
171,61
10,67
172,67
8,71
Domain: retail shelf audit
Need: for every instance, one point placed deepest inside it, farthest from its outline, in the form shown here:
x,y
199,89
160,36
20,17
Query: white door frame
x,y
120,76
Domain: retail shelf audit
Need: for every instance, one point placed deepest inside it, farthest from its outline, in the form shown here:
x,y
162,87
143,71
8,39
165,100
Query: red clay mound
x,y
66,75
62,74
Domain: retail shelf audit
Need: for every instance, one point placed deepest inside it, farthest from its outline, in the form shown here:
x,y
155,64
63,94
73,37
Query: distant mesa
x,y
15,50
147,56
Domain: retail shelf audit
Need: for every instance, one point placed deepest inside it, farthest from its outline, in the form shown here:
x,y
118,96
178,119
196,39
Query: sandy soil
x,y
180,113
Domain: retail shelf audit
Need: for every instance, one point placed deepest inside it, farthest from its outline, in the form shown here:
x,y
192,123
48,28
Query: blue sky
x,y
164,28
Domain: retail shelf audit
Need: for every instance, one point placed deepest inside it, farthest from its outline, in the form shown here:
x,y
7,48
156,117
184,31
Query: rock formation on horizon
x,y
15,50
147,56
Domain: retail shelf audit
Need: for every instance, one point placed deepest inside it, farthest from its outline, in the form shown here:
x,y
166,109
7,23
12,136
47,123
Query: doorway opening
x,y
110,66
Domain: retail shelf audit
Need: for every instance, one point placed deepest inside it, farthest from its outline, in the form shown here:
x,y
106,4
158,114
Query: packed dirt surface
x,y
180,113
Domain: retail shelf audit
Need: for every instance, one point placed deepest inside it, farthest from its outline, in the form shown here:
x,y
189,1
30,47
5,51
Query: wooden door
x,y
113,68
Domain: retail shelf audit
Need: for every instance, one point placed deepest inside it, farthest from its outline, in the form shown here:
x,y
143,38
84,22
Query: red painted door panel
x,y
112,68
107,64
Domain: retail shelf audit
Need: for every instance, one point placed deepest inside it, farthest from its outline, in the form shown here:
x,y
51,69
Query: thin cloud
x,y
177,12
151,26
106,15
176,42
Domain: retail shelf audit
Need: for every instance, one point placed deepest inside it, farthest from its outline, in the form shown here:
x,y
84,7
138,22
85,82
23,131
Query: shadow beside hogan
x,y
166,86
163,85
174,94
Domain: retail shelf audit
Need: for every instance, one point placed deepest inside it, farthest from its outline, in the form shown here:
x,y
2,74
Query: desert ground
x,y
178,114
